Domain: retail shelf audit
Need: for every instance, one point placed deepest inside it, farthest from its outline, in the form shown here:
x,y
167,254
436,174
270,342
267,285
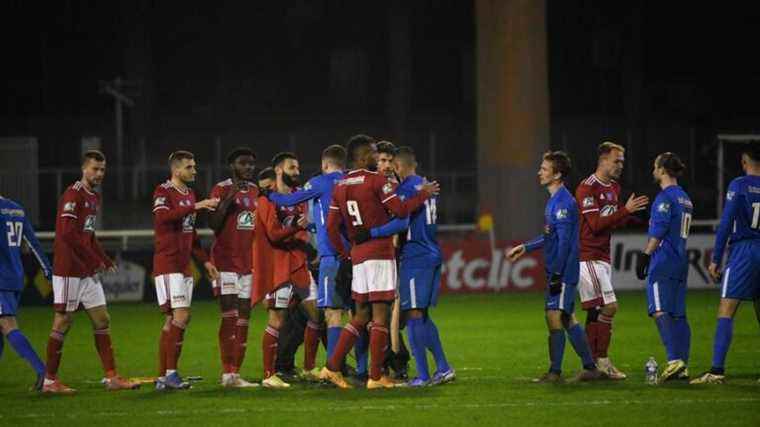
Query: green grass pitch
x,y
496,343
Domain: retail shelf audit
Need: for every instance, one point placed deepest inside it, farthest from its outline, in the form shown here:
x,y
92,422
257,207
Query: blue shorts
x,y
741,278
563,301
667,295
9,302
326,295
419,286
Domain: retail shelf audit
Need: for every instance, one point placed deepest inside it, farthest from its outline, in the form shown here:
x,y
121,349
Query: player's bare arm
x,y
515,253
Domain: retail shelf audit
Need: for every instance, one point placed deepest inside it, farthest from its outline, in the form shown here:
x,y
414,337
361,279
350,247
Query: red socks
x,y
311,336
105,351
604,335
241,342
162,346
174,342
348,337
378,343
269,349
54,351
227,340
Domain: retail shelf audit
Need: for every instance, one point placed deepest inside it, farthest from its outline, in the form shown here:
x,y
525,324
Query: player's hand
x,y
208,204
555,284
515,253
362,235
303,222
635,204
213,273
431,187
113,268
642,266
714,272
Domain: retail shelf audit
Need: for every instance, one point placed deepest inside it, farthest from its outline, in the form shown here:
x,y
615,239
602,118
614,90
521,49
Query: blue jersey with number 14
x,y
17,229
669,222
421,247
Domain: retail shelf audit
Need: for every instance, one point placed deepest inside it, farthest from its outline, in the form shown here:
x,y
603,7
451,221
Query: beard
x,y
291,181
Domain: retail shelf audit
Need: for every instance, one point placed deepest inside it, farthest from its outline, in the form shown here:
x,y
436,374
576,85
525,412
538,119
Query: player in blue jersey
x,y
17,230
319,189
560,244
419,274
740,227
666,263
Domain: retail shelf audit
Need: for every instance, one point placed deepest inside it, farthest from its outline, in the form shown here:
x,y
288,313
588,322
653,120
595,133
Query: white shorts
x,y
233,284
595,286
173,290
69,292
374,280
282,296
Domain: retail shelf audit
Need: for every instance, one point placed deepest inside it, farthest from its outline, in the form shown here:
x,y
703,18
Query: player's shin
x,y
346,341
362,352
682,334
416,334
578,340
311,338
378,341
54,352
163,343
433,342
269,350
666,329
241,342
556,350
174,345
105,351
723,334
227,340
23,348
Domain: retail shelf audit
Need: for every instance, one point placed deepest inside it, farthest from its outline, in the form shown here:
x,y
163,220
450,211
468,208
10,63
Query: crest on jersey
x,y
588,202
730,195
245,220
663,207
561,214
307,186
188,223
608,210
160,201
387,188
69,206
89,223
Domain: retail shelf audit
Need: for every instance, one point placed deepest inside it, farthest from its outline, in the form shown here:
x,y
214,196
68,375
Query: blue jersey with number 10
x,y
421,247
17,229
669,222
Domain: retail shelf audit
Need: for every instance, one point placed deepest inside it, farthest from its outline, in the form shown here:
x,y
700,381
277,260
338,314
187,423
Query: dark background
x,y
299,75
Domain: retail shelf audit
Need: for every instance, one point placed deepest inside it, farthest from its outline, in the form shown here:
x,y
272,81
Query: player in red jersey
x,y
174,211
78,259
281,271
364,199
598,198
232,222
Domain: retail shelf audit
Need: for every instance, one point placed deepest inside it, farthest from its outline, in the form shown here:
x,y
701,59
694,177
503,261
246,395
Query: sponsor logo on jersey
x,y
160,201
69,206
353,180
188,223
608,210
753,189
663,207
89,223
387,188
245,220
588,202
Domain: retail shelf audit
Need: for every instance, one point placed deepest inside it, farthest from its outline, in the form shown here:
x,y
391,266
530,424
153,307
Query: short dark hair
x,y
180,155
406,154
266,173
671,163
335,154
560,162
355,143
96,155
607,147
240,151
387,147
752,149
281,157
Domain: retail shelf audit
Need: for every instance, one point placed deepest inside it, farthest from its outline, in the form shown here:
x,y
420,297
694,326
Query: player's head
x,y
333,158
267,179
93,167
182,165
555,167
751,158
361,151
667,164
611,160
242,161
405,162
386,151
287,169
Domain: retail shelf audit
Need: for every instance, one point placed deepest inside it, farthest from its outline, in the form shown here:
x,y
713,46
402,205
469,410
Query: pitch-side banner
x,y
470,266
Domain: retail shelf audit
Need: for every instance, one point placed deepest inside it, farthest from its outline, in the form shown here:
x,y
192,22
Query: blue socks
x,y
682,338
556,350
433,343
580,344
24,349
333,334
723,334
361,349
666,327
416,334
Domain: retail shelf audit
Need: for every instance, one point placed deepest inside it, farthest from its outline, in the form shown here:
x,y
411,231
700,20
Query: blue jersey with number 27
x,y
17,229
